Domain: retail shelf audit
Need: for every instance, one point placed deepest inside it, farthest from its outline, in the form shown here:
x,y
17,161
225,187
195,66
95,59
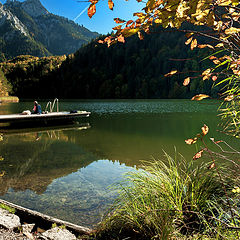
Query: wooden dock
x,y
42,119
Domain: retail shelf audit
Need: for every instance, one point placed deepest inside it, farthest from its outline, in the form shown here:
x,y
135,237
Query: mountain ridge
x,y
28,28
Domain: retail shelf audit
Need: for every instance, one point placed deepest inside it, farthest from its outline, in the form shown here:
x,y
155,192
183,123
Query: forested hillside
x,y
27,28
135,69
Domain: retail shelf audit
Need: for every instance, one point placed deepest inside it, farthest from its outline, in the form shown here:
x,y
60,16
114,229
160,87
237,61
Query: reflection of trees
x,y
31,164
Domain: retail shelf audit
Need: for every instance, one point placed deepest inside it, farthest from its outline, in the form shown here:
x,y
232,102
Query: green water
x,y
66,171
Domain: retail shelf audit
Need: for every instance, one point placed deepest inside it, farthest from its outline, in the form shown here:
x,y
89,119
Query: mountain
x,y
27,28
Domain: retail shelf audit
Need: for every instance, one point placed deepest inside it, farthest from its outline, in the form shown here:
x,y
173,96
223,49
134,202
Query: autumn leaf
x,y
140,36
193,44
198,155
211,166
91,10
100,41
200,97
118,20
205,130
188,41
232,30
219,45
110,4
205,45
2,174
121,39
191,141
214,78
186,81
229,98
170,73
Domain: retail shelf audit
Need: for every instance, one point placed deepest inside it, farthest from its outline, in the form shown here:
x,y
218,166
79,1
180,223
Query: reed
x,y
164,200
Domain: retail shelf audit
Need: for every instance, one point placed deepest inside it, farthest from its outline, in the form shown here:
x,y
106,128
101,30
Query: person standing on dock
x,y
37,108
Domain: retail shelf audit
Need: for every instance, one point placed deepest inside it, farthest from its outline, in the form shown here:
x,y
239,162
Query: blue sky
x,y
102,21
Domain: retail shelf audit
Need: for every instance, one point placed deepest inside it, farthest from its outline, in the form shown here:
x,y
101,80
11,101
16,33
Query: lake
x,y
66,171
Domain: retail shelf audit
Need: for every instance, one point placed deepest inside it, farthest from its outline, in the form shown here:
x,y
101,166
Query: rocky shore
x,y
26,224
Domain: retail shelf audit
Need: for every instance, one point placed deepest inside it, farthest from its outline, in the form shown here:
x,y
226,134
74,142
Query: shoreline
x,y
43,221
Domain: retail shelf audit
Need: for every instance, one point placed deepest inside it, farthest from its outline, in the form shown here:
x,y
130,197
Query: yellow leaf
x,y
170,73
229,98
200,97
232,30
191,141
188,41
193,43
206,72
186,81
140,36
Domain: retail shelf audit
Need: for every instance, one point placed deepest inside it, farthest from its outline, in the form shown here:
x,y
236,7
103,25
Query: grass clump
x,y
9,209
166,201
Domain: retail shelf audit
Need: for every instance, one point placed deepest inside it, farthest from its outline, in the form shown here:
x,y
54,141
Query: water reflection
x,y
65,171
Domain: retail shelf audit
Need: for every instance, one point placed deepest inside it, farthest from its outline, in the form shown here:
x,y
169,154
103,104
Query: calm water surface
x,y
66,171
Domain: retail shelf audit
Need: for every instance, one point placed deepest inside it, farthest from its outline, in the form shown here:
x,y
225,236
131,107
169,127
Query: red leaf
x,y
91,10
214,78
129,22
110,4
118,20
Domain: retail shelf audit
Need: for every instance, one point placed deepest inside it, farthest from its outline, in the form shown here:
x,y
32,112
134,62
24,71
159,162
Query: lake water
x,y
66,171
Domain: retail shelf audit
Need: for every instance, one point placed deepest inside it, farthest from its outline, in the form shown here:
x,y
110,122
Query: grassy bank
x,y
176,200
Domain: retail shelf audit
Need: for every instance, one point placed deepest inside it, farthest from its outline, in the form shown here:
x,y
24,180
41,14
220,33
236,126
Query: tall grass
x,y
164,200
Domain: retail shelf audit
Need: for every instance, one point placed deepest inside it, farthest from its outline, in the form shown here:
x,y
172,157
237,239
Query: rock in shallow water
x,y
59,234
9,220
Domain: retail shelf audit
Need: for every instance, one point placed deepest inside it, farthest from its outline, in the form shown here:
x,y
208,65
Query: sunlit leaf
x,y
229,98
191,141
206,72
205,45
110,4
200,97
219,45
205,130
214,78
186,81
193,43
121,39
118,20
232,30
188,41
198,155
170,73
211,166
2,173
91,10
140,36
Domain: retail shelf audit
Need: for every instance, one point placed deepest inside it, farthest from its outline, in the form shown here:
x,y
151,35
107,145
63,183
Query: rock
x,y
27,227
59,234
9,220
